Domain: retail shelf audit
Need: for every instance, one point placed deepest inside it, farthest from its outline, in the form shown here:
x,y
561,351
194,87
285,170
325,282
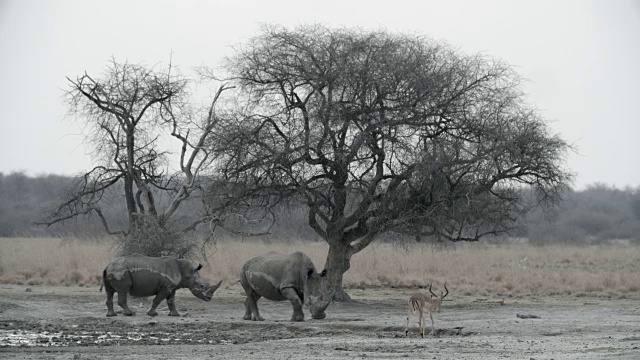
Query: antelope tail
x,y
413,305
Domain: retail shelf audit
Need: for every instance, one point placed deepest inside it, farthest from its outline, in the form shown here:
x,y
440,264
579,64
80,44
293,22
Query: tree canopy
x,y
126,111
374,132
380,132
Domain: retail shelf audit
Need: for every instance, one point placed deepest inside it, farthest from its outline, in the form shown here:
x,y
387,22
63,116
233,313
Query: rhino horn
x,y
213,288
216,286
324,304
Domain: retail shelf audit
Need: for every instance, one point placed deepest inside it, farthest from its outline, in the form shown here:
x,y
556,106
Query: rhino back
x,y
144,275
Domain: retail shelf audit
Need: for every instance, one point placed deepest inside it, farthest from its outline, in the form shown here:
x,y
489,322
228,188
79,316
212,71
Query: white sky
x,y
582,59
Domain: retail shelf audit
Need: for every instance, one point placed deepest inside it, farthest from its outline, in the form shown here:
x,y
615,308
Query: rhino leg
x,y
292,295
171,303
251,307
247,310
110,291
161,295
122,301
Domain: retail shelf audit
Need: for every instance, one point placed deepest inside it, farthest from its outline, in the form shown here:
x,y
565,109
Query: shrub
x,y
147,237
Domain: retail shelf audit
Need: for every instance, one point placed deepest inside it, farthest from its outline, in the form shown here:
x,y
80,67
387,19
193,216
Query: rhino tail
x,y
104,279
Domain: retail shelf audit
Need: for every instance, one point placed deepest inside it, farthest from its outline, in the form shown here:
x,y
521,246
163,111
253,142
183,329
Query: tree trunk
x,y
338,262
130,199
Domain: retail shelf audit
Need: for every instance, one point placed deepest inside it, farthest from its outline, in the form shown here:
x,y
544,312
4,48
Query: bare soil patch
x,y
57,322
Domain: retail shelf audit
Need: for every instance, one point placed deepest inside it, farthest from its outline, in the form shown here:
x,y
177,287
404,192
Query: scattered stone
x,y
28,290
527,316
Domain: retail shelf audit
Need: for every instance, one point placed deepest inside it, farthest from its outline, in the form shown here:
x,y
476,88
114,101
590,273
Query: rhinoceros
x,y
142,276
279,277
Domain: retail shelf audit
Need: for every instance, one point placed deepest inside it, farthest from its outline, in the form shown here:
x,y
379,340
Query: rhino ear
x,y
199,267
323,273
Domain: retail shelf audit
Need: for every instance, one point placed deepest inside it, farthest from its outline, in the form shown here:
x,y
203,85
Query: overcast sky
x,y
582,59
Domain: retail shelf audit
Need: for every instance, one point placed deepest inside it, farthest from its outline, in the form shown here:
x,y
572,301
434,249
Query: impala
x,y
420,302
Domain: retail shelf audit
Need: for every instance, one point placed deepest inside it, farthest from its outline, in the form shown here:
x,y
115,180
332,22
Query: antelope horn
x,y
432,291
445,287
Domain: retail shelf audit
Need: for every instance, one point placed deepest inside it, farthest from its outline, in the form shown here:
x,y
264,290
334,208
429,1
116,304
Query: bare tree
x,y
126,111
381,132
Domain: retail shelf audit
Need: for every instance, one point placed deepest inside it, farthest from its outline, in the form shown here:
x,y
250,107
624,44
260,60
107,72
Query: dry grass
x,y
52,261
517,270
470,269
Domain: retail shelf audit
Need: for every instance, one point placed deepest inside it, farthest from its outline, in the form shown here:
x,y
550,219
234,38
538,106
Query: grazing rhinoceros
x,y
146,276
278,277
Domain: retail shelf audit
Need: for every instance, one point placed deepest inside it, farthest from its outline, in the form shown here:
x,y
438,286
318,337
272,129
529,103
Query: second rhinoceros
x,y
143,276
279,277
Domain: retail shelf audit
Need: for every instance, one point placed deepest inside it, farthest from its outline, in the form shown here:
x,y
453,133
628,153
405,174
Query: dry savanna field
x,y
513,301
513,270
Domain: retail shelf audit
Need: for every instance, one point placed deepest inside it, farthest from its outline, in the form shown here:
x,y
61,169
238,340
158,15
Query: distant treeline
x,y
598,213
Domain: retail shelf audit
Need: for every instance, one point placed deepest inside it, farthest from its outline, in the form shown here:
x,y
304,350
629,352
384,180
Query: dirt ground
x,y
41,322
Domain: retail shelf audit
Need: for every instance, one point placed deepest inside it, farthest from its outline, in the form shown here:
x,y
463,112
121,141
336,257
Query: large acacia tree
x,y
126,112
381,132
